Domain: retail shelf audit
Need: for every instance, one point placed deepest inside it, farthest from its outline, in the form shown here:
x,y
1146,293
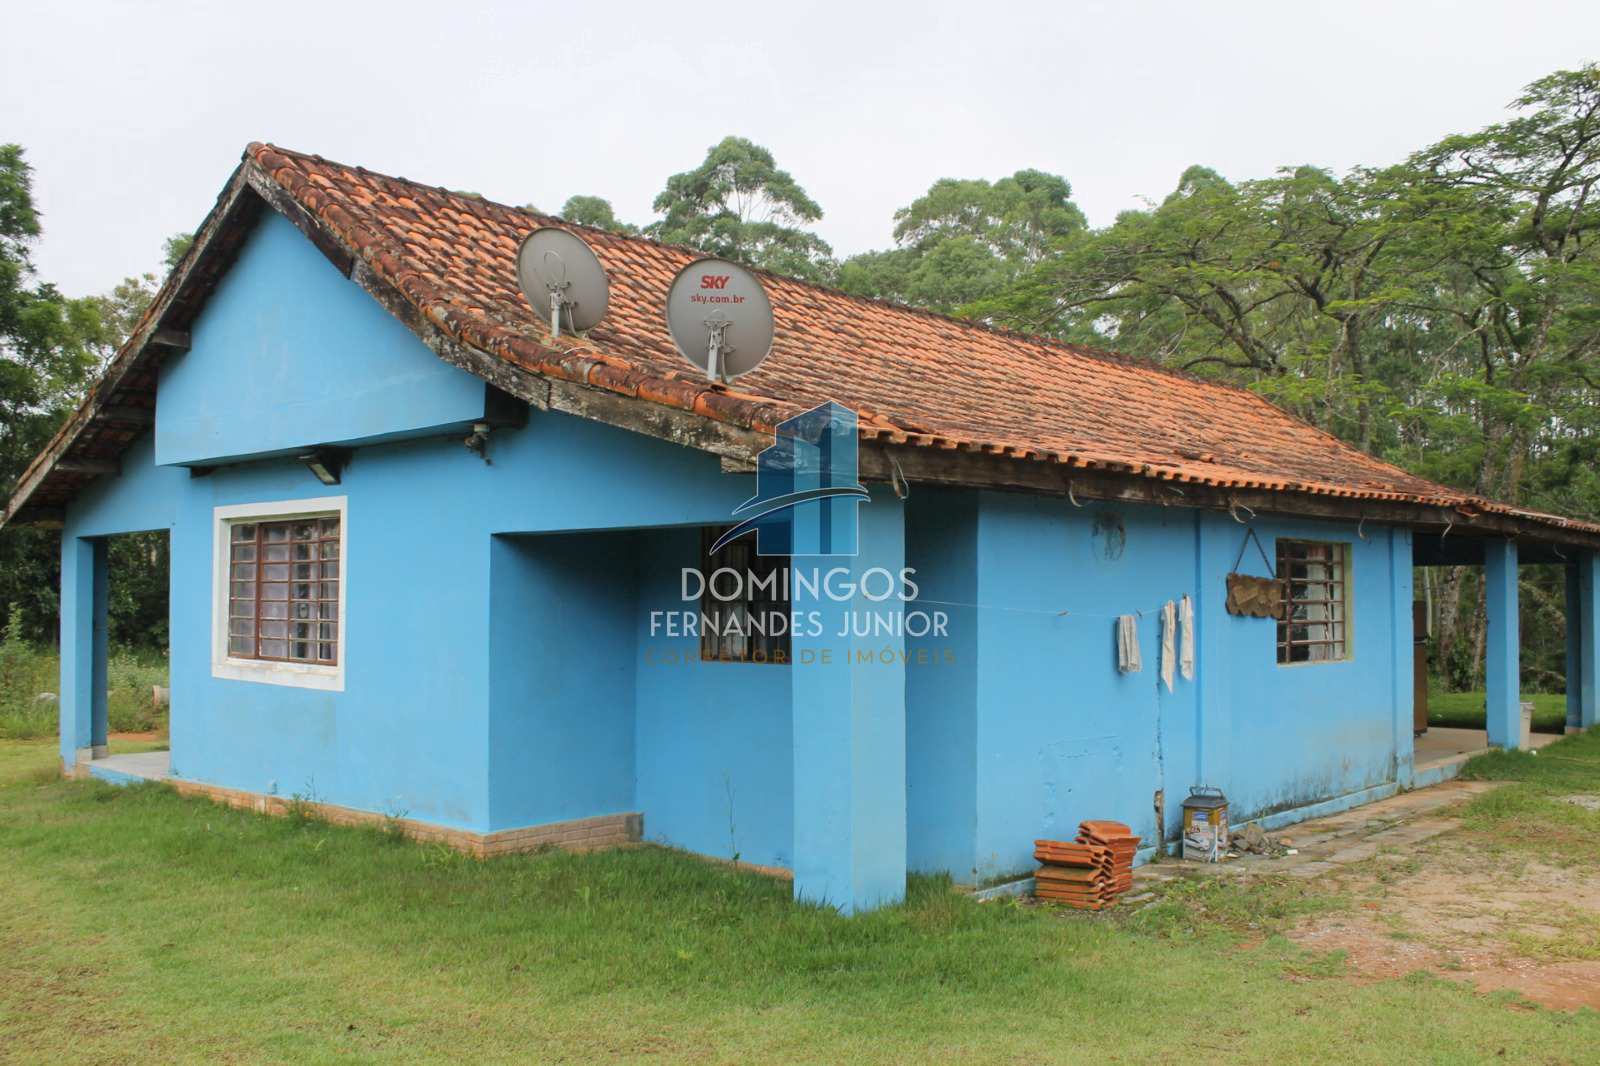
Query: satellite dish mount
x,y
718,347
720,318
555,268
560,274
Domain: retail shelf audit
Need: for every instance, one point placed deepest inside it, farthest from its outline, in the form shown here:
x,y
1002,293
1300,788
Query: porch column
x,y
1587,619
850,724
1501,665
1572,665
82,699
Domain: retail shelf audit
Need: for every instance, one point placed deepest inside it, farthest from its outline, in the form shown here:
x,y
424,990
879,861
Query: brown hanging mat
x,y
1254,597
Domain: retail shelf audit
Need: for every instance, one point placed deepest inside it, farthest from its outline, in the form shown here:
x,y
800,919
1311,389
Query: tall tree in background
x,y
967,240
49,348
739,205
1274,283
122,307
1510,214
1440,313
595,211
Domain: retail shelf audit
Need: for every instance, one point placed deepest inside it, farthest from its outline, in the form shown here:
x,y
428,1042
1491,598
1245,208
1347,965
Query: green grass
x,y
26,672
138,926
1464,710
1530,813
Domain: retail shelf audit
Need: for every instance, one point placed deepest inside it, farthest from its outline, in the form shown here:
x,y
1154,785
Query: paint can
x,y
1205,824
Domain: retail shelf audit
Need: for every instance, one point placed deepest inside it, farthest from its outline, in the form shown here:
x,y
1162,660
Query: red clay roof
x,y
914,377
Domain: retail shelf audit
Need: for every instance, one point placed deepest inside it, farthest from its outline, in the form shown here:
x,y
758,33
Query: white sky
x,y
133,114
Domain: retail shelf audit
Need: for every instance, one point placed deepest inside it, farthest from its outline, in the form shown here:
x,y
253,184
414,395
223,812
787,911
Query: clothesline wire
x,y
1069,612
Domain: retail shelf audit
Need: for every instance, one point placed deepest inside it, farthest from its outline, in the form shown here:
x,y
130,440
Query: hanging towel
x,y
1186,643
1169,638
1128,644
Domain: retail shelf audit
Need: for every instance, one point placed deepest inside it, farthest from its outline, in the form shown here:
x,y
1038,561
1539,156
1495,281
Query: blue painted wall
x,y
1055,734
423,725
289,354
561,681
714,767
500,670
942,685
1062,736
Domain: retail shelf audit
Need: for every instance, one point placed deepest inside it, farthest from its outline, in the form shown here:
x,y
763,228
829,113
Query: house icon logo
x,y
807,490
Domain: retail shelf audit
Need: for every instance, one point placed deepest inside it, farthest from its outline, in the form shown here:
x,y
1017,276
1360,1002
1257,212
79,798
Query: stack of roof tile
x,y
1079,875
1090,872
1122,843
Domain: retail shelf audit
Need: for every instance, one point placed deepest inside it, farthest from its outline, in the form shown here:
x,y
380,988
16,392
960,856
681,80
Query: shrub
x,y
27,671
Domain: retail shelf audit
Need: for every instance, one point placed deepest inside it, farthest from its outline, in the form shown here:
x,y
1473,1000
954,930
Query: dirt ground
x,y
1499,921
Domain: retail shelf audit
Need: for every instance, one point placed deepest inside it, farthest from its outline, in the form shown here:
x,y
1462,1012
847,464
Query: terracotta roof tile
x,y
914,376
921,378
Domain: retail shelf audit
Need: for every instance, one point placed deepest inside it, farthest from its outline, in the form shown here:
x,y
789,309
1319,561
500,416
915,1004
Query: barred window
x,y
1315,625
283,590
744,620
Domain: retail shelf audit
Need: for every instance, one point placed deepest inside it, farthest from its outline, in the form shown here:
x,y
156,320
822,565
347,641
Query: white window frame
x,y
268,672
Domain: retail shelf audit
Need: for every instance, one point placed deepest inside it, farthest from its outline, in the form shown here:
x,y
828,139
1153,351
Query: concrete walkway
x,y
1325,844
1439,754
132,767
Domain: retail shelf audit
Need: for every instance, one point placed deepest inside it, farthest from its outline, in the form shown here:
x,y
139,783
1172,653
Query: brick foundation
x,y
583,834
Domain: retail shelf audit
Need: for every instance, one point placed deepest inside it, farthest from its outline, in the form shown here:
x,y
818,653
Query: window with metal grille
x,y
283,590
752,626
1315,624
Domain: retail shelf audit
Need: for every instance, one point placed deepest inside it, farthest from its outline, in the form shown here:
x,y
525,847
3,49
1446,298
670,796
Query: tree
x,y
967,240
596,211
49,347
122,307
1510,215
739,205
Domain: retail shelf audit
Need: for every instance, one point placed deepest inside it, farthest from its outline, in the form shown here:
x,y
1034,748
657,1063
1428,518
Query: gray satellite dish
x,y
719,317
562,279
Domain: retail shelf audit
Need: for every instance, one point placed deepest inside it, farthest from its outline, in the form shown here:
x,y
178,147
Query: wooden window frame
x,y
232,662
761,649
1321,587
321,642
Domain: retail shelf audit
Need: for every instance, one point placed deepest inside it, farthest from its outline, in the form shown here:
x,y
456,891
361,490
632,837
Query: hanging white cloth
x,y
1169,639
1128,644
1186,642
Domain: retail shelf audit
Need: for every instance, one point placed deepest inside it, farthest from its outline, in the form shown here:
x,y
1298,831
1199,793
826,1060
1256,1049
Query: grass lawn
x,y
1464,710
138,926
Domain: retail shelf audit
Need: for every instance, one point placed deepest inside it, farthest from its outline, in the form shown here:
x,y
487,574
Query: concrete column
x,y
1403,648
82,700
1216,547
850,724
1573,664
1588,617
1501,664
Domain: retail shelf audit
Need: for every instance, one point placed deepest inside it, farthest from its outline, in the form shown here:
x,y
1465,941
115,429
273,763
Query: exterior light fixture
x,y
478,442
327,464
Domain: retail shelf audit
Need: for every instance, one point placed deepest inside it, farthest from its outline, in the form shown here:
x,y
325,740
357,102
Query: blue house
x,y
429,563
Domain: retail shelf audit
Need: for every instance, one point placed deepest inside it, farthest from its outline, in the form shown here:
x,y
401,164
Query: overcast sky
x,y
133,114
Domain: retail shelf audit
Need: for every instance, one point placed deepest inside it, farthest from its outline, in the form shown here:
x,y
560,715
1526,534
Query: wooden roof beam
x,y
91,467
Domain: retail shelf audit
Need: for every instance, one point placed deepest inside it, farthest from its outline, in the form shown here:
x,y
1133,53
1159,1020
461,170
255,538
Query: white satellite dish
x,y
720,318
562,279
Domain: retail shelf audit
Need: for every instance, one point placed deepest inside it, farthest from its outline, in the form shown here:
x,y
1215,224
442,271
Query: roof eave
x,y
581,382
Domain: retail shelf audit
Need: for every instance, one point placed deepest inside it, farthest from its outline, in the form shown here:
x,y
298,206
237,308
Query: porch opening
x,y
1497,632
607,696
116,690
